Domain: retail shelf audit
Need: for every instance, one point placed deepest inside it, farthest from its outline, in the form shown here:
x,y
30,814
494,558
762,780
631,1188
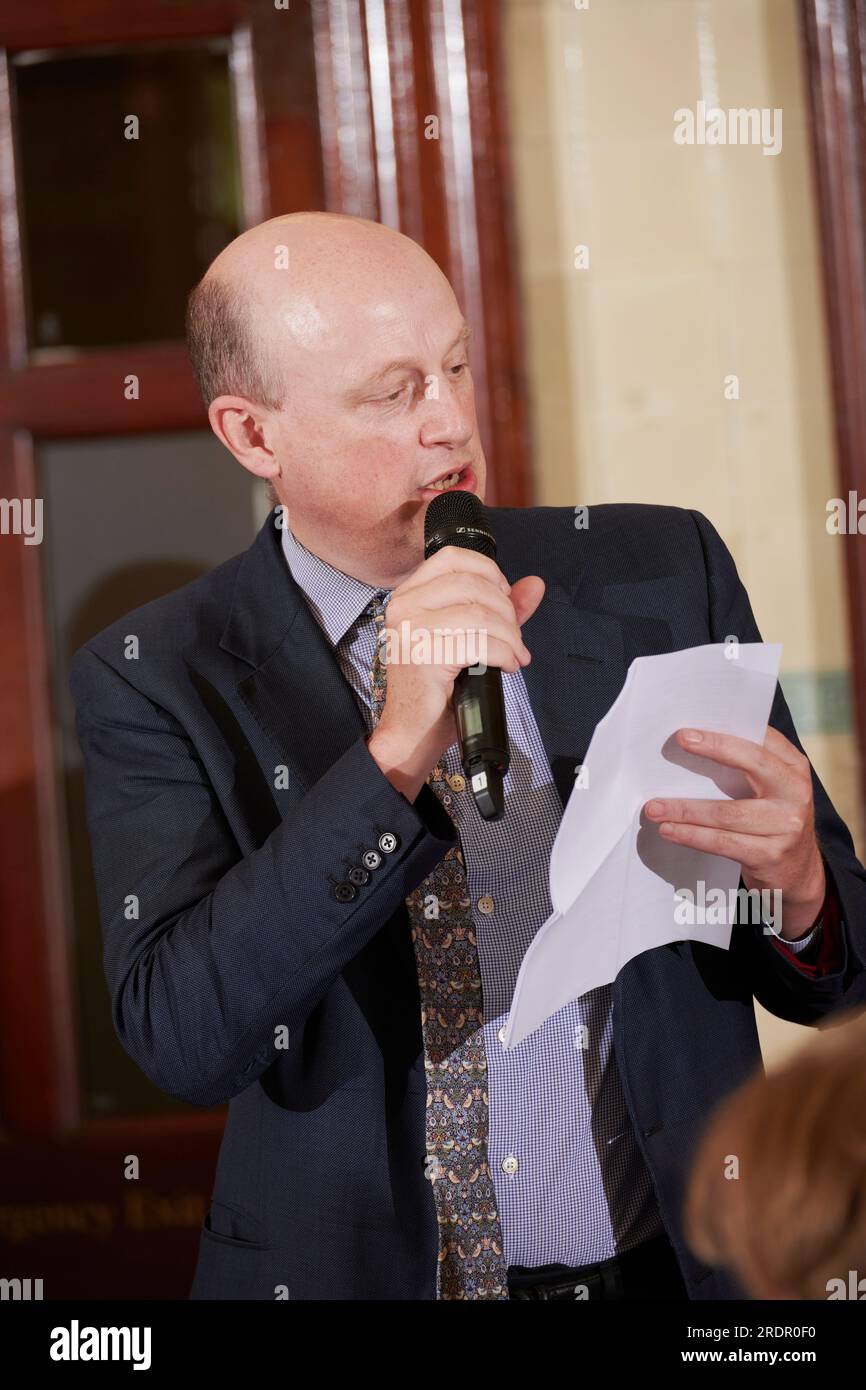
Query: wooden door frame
x,y
834,44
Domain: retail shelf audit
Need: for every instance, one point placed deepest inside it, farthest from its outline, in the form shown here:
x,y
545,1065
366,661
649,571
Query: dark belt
x,y
607,1279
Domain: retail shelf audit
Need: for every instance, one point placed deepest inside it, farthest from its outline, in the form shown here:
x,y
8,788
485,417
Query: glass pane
x,y
126,520
128,171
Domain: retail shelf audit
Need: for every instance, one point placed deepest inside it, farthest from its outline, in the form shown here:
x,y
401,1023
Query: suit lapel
x,y
578,666
296,691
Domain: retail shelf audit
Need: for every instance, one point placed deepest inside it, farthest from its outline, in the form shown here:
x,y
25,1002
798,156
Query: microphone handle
x,y
480,714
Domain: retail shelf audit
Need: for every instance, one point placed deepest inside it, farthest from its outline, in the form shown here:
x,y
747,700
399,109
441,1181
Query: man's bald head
x,y
332,355
268,293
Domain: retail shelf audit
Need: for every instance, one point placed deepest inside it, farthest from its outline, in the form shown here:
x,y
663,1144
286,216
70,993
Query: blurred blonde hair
x,y
795,1217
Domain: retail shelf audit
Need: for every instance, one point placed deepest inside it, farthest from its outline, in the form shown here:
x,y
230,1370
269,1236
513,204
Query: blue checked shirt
x,y
570,1180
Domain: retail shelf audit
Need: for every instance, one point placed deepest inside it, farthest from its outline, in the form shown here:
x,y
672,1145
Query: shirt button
x,y
456,782
510,1165
485,905
501,1034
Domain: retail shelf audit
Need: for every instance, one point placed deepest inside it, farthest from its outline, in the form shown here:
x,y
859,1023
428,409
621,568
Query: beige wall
x,y
703,262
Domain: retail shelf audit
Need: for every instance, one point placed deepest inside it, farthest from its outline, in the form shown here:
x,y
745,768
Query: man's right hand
x,y
467,594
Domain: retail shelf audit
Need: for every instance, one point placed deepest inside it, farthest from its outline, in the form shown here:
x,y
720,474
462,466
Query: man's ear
x,y
242,426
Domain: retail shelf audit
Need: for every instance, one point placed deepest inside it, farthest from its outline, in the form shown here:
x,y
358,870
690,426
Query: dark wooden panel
x,y
498,264
38,1066
59,23
85,395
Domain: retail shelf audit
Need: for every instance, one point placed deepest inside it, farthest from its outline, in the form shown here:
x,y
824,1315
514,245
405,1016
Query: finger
x,y
499,654
526,595
474,618
454,559
477,650
451,589
767,772
751,816
776,743
750,850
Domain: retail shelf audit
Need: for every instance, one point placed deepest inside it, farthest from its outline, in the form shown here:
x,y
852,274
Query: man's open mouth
x,y
462,477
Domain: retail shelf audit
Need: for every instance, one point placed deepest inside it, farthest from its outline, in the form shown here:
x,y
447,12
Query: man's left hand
x,y
771,834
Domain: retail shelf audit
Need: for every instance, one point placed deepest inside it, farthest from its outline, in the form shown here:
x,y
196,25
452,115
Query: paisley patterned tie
x,y
470,1260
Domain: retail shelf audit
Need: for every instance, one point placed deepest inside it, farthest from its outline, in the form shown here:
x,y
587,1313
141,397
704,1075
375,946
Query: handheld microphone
x,y
459,518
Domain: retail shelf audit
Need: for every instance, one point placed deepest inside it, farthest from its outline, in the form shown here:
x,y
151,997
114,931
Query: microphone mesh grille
x,y
458,518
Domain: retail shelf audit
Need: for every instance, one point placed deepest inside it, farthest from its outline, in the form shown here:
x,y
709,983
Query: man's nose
x,y
447,420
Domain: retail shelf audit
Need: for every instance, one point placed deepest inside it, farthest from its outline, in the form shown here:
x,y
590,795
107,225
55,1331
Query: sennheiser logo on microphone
x,y
469,537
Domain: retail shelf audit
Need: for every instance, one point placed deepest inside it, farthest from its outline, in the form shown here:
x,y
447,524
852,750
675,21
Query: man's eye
x,y
459,368
393,396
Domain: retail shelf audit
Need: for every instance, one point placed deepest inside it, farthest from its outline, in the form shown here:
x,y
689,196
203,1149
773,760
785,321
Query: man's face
x,y
380,401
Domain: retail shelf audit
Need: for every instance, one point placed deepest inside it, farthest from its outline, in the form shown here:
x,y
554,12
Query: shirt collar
x,y
337,600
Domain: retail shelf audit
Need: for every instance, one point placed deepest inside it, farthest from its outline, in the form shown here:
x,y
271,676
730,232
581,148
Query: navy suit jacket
x,y
228,787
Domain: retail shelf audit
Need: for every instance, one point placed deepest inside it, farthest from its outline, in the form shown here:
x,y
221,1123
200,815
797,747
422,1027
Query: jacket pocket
x,y
230,1267
228,1225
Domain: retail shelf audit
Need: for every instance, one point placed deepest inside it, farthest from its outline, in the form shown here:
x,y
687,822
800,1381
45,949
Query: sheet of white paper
x,y
613,879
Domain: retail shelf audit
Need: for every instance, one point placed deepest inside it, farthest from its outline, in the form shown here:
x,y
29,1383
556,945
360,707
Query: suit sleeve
x,y
206,951
820,952
781,983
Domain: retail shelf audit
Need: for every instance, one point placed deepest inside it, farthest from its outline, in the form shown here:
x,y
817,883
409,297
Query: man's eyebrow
x,y
400,363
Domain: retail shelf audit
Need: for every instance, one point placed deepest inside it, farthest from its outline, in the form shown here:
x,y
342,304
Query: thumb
x,y
526,595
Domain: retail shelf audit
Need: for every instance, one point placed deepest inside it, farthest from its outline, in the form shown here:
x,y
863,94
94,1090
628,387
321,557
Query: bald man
x,y
304,914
